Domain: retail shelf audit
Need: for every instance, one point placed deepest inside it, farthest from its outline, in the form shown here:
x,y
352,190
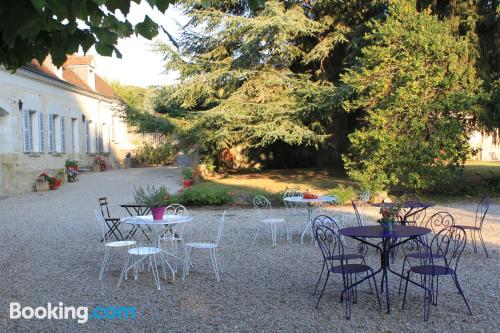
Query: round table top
x,y
324,198
376,231
148,220
407,204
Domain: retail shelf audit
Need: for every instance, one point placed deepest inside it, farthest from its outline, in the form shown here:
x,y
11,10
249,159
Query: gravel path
x,y
50,253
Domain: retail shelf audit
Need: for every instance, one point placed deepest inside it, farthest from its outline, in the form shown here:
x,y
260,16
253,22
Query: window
x,y
90,136
75,145
33,127
57,134
105,137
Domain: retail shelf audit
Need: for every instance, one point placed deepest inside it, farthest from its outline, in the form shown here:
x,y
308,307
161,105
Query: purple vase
x,y
158,213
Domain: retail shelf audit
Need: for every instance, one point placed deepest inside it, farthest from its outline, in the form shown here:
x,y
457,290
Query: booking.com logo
x,y
81,313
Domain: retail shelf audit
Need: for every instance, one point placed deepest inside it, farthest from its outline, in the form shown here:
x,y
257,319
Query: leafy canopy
x,y
417,86
33,29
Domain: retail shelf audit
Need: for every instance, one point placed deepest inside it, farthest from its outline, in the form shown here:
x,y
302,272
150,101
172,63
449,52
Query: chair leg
x,y
104,263
455,279
273,233
125,266
319,279
214,263
256,234
473,237
406,289
482,242
185,270
376,291
154,270
402,273
322,290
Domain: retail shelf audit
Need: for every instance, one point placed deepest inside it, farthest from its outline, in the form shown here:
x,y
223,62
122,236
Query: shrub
x,y
159,154
152,196
344,193
201,195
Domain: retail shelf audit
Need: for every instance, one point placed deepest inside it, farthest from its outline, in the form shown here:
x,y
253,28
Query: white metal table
x,y
310,205
158,227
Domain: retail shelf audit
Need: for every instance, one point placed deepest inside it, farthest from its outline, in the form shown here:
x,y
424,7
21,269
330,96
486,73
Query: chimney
x,y
83,67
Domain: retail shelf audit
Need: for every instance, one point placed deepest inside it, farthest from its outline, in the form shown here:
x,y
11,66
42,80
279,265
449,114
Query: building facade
x,y
49,115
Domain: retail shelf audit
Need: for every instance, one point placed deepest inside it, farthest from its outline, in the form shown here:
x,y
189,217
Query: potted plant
x,y
52,183
390,214
72,170
156,198
61,175
42,182
97,165
187,176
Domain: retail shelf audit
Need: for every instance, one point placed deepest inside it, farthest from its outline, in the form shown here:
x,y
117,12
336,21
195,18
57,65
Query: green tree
x,y
138,112
263,78
418,90
32,29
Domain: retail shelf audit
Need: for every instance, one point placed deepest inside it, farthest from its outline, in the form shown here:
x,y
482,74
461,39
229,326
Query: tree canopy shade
x,y
32,29
417,85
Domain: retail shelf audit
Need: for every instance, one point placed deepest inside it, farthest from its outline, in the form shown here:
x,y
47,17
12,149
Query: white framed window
x,y
105,135
33,128
75,144
54,133
91,136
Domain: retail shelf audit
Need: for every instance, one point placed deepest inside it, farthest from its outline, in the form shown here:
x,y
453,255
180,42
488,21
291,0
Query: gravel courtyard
x,y
50,252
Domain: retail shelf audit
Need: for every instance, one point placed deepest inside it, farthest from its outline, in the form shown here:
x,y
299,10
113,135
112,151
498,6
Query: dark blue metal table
x,y
411,208
390,240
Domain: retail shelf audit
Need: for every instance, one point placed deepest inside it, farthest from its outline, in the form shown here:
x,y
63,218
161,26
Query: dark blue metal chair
x,y
325,220
335,261
477,228
447,246
436,223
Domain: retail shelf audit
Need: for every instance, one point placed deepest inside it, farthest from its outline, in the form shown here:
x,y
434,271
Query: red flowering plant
x,y
43,177
101,162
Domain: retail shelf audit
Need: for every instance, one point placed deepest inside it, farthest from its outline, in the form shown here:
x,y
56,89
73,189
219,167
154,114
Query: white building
x,y
49,115
487,145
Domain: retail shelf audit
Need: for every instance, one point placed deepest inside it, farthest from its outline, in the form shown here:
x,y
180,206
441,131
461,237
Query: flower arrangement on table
x,y
156,198
308,195
390,215
72,170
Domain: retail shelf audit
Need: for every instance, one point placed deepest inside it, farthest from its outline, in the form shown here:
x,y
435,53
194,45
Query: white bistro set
x,y
157,243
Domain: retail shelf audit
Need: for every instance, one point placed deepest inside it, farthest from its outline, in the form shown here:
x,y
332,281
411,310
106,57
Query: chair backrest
x,y
448,243
260,204
325,220
329,241
439,221
102,224
291,193
176,209
481,210
103,202
359,220
221,228
416,219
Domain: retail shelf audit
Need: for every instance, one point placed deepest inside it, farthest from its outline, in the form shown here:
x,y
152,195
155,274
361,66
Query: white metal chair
x,y
363,201
212,250
264,212
295,210
144,250
176,235
108,245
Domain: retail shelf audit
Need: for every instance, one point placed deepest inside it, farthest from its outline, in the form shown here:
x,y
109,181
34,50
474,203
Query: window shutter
x,y
41,131
87,136
52,139
63,136
27,131
96,138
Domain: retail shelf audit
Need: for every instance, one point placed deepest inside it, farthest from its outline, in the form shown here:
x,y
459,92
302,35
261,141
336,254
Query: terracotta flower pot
x,y
187,182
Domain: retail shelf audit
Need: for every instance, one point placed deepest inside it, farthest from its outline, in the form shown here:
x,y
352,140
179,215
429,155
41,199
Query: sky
x,y
139,65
